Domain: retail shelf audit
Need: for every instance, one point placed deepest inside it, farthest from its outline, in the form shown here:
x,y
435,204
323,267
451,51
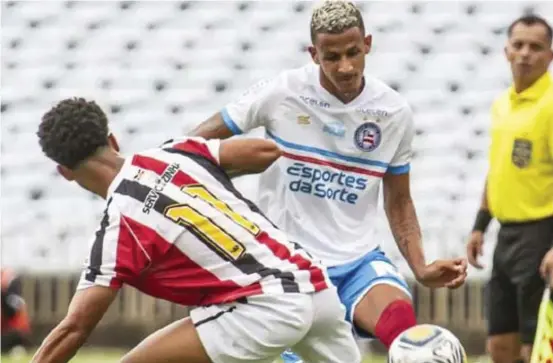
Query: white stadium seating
x,y
162,67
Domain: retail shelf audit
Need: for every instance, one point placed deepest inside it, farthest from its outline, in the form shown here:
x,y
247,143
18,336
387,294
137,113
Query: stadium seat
x,y
160,68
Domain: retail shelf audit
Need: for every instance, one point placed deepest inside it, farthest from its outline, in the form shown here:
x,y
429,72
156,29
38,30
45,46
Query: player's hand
x,y
474,248
444,273
546,267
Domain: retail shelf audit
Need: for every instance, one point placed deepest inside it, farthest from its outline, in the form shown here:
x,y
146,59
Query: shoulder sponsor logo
x,y
367,112
159,185
368,136
335,129
138,174
325,184
256,87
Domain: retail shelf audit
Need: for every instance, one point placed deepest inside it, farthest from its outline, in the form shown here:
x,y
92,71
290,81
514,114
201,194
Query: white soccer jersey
x,y
175,228
324,191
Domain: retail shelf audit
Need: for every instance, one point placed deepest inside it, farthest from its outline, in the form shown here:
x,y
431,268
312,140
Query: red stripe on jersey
x,y
174,277
158,167
354,169
278,249
197,148
317,278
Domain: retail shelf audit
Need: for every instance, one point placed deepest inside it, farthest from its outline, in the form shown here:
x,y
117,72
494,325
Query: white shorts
x,y
259,330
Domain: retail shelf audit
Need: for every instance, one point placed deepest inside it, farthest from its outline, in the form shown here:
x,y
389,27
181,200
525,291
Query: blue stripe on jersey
x,y
230,123
326,153
397,170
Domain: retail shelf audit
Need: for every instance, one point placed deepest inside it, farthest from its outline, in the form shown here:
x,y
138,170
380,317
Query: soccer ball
x,y
426,343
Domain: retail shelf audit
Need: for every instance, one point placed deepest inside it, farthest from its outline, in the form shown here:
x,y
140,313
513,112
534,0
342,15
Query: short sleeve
x,y
253,108
208,149
213,146
401,160
101,264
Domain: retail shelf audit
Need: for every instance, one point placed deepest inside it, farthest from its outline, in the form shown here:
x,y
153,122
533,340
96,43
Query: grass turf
x,y
112,356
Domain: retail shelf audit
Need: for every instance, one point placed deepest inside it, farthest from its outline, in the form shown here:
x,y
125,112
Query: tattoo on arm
x,y
405,228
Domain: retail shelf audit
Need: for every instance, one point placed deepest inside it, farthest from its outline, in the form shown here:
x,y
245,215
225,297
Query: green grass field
x,y
111,356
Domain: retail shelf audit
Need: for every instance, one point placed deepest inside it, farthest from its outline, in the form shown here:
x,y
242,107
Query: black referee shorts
x,y
516,287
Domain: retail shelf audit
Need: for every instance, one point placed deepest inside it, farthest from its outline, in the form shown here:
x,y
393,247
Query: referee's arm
x,y
476,240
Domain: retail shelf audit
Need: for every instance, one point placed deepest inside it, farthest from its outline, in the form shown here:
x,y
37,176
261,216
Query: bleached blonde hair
x,y
335,16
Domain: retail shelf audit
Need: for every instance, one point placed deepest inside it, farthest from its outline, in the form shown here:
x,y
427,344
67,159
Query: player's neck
x,y
99,172
523,83
343,97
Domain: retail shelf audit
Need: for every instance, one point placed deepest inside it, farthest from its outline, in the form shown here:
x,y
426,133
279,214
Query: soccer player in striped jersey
x,y
343,133
175,228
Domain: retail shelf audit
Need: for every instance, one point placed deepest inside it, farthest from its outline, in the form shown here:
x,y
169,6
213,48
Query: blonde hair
x,y
335,16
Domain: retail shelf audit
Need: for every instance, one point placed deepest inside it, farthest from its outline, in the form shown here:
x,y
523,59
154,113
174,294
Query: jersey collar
x,y
333,99
534,92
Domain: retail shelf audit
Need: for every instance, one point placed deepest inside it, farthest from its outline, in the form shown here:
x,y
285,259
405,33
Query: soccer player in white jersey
x,y
342,133
175,228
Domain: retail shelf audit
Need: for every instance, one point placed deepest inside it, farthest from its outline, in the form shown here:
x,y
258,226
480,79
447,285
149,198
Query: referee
x,y
519,192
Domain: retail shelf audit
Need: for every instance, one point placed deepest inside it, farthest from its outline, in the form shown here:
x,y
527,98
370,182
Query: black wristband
x,y
483,219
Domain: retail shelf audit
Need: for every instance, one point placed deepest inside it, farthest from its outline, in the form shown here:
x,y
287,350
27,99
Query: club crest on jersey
x,y
522,153
368,136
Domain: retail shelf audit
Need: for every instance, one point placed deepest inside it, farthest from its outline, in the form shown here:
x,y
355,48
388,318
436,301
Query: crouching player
x,y
175,228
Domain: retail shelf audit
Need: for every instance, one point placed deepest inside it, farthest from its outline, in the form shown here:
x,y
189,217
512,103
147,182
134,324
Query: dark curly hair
x,y
72,131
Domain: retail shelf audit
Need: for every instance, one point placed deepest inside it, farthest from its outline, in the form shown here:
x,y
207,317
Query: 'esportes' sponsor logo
x,y
325,184
160,184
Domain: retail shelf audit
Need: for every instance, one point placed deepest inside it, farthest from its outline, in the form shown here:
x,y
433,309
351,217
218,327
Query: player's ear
x,y
368,43
313,52
66,172
112,142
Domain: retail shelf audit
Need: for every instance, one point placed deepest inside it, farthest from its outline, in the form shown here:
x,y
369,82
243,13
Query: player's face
x,y
529,51
342,60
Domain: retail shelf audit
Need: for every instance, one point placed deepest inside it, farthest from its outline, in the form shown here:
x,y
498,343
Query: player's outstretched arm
x,y
403,220
213,128
404,225
85,311
247,156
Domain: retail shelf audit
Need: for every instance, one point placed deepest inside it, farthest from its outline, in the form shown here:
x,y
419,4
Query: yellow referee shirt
x,y
520,178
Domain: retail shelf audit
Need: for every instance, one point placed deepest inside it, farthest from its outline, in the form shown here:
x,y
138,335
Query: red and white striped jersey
x,y
177,229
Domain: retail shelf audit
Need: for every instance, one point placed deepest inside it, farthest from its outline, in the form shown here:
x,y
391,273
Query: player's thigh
x,y
369,289
255,331
177,342
330,338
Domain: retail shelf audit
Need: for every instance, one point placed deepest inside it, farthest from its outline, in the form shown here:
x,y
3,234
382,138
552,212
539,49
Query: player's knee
x,y
501,350
394,320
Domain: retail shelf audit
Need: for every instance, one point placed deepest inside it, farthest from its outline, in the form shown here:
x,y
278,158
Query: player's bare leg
x,y
526,352
505,348
385,311
176,343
